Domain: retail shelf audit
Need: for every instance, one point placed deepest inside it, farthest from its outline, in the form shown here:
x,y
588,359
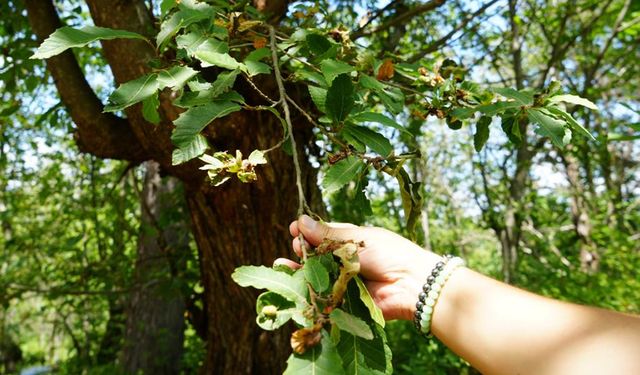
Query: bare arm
x,y
497,328
500,329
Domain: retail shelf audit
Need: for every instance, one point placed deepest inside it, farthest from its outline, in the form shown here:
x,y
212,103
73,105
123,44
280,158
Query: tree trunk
x,y
240,224
155,314
589,257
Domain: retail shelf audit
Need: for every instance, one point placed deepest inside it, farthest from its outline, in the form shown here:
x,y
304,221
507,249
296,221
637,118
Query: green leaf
x,y
340,98
266,278
511,128
371,83
179,20
175,77
360,200
311,76
380,119
570,120
191,41
497,107
548,127
189,149
341,173
194,120
319,97
361,356
482,133
375,141
166,6
622,137
573,99
463,113
521,97
333,68
317,44
258,54
351,324
255,67
374,311
150,109
411,200
212,58
224,81
69,37
316,274
132,92
322,359
284,312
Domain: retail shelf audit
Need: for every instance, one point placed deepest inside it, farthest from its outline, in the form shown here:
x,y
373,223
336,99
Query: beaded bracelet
x,y
431,291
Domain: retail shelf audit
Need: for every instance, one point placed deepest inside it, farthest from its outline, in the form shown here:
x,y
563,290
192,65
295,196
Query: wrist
x,y
415,279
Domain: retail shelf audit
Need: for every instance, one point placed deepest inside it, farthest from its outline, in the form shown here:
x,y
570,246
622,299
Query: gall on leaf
x,y
259,42
386,70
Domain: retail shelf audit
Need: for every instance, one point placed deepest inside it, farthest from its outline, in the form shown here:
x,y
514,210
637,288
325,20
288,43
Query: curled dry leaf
x,y
305,338
386,70
259,42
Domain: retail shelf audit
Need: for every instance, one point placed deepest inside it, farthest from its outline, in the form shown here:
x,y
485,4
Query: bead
x,y
419,305
440,266
436,287
440,280
432,295
430,302
417,314
422,296
431,280
427,310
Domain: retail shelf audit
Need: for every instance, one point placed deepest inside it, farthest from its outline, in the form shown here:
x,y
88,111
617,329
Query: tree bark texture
x,y
155,313
235,224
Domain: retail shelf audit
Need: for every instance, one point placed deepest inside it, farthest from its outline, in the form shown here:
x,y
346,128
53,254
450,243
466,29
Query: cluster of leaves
x,y
221,164
340,327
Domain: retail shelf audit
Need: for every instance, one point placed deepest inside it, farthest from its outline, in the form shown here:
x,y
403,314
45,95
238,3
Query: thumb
x,y
314,231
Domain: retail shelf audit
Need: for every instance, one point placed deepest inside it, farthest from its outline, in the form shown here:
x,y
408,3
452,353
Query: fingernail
x,y
308,222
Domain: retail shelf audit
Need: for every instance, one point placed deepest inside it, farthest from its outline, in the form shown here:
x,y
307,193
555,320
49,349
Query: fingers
x,y
286,262
293,228
314,232
296,246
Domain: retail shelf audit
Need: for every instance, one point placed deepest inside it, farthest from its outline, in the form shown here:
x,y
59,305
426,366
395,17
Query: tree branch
x,y
404,17
101,134
440,42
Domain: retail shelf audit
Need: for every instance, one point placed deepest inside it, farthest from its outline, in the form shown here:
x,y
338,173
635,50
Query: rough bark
x,y
589,258
155,314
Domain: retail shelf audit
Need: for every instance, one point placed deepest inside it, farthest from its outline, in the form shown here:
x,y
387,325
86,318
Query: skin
x,y
497,328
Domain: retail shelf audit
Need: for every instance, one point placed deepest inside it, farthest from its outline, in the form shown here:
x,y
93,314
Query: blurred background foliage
x,y
71,223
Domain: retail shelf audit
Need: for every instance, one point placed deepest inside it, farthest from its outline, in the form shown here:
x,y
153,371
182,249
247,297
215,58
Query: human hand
x,y
392,267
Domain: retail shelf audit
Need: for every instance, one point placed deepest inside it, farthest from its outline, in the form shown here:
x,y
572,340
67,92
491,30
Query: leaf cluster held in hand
x,y
340,330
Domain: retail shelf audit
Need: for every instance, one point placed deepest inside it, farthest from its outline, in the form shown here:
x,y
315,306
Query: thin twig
x,y
287,118
262,94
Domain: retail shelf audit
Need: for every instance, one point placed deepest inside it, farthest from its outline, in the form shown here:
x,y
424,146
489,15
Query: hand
x,y
392,267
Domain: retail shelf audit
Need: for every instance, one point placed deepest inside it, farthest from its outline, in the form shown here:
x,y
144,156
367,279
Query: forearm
x,y
504,330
